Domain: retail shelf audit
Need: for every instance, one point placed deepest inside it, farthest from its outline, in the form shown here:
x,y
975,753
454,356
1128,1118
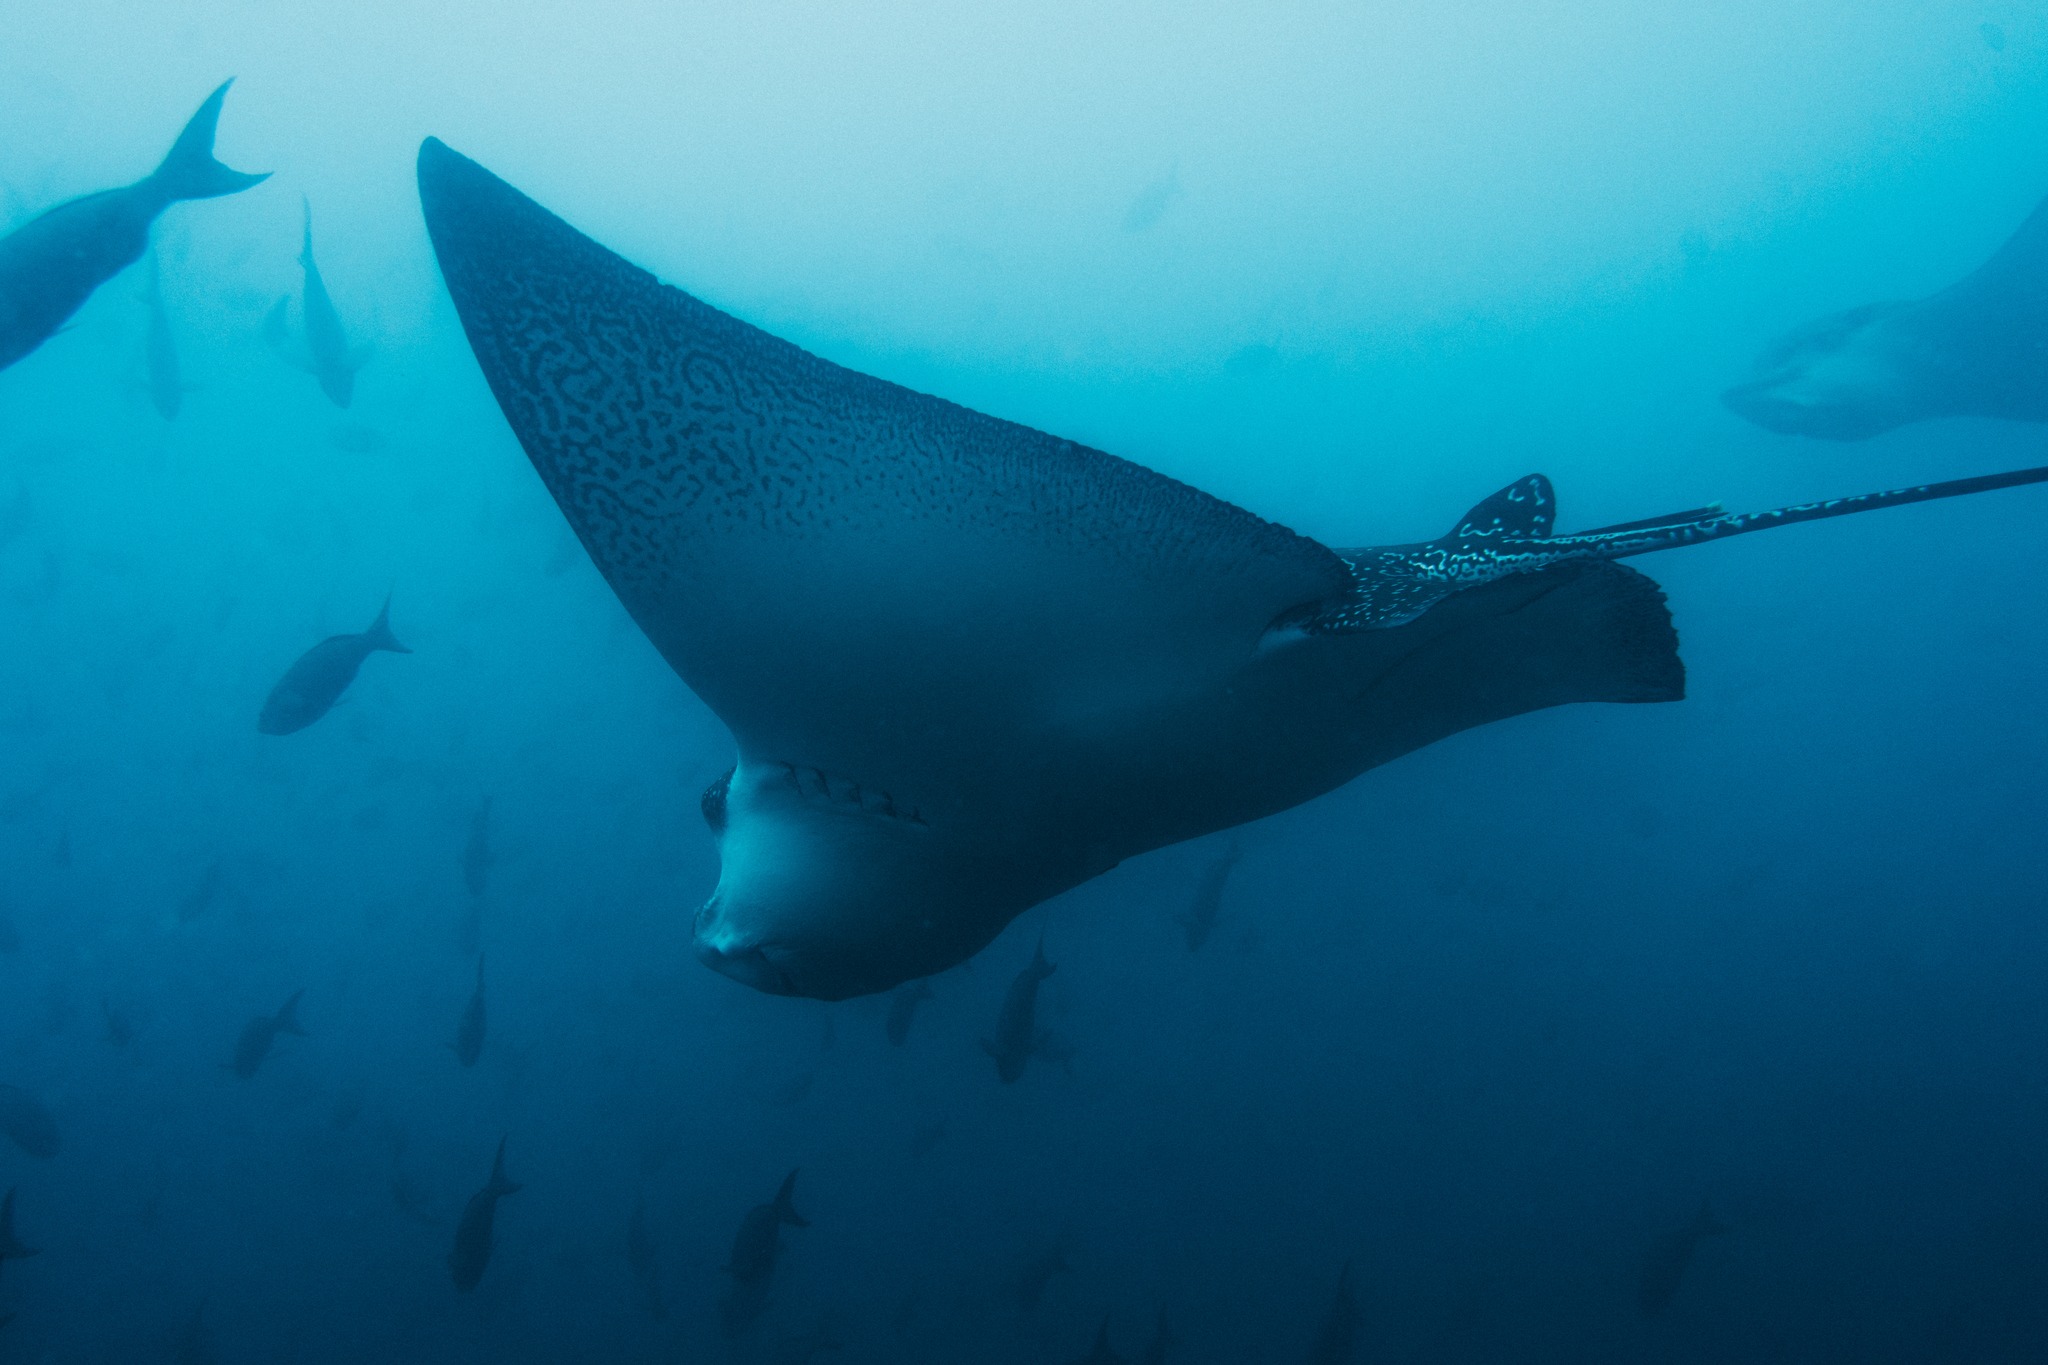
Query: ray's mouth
x,y
1761,402
749,964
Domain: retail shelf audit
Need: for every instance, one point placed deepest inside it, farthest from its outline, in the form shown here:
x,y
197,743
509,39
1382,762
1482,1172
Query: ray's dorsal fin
x,y
1525,510
798,539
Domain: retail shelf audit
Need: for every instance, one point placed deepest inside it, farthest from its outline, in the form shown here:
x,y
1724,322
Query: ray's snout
x,y
1760,402
731,954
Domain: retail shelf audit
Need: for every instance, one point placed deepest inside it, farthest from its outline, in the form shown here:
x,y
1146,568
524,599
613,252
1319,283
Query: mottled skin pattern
x,y
1978,348
687,424
968,665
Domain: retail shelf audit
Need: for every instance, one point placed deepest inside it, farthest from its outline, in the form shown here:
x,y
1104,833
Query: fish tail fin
x,y
287,1019
306,233
189,170
500,1185
785,1203
379,634
1040,968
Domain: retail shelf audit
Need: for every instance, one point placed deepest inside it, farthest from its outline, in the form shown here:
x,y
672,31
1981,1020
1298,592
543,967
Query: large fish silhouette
x,y
50,266
969,665
1978,348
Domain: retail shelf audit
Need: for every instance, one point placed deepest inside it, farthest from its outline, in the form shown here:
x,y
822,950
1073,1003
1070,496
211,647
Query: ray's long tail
x,y
1509,533
1640,538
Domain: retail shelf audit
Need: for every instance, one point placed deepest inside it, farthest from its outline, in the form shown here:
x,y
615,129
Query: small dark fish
x,y
1198,921
26,1120
1665,1266
120,1031
759,1240
1101,1353
259,1033
11,1248
311,686
1035,1274
205,894
166,377
1163,1341
643,1259
51,265
473,1235
469,1033
1016,1026
903,1003
476,853
1339,1335
327,355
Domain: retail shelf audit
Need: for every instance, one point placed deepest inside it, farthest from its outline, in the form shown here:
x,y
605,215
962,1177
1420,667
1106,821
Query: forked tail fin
x,y
189,170
379,634
785,1203
500,1186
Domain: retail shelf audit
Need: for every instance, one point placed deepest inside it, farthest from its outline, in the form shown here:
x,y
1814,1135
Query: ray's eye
x,y
712,803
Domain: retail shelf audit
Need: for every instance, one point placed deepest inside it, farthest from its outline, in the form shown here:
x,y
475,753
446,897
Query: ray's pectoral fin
x,y
1583,630
849,573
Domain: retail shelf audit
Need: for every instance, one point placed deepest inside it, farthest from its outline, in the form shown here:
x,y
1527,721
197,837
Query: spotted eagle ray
x,y
1974,349
968,665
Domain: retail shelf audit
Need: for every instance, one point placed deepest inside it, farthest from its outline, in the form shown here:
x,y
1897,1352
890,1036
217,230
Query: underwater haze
x,y
349,1003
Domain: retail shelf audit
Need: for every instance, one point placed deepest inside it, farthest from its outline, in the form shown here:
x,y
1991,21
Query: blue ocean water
x,y
1485,1037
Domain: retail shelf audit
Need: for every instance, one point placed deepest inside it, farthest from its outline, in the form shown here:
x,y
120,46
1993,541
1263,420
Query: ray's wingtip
x,y
438,165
